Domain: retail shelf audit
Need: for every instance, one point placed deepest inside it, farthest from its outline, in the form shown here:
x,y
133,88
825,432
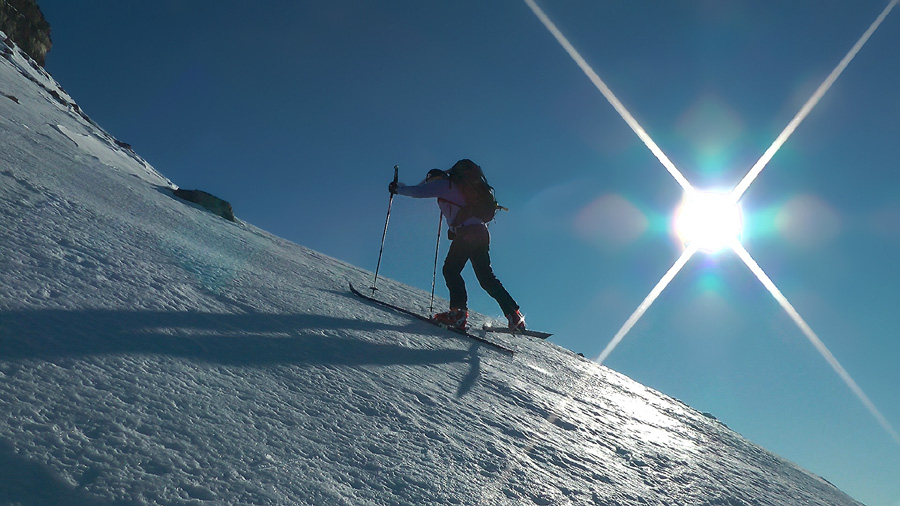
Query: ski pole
x,y
436,248
384,234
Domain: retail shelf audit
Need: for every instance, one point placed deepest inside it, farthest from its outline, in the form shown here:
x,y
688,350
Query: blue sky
x,y
296,112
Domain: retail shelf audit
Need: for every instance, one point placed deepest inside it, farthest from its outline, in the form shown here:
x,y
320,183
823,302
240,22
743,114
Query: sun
x,y
708,221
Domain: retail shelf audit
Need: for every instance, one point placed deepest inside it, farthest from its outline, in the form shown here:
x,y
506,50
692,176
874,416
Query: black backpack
x,y
480,200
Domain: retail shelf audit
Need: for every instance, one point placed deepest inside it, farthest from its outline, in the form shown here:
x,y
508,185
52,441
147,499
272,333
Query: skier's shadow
x,y
474,373
251,339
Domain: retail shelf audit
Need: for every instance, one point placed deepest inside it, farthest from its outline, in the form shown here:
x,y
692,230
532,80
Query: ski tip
x,y
357,291
526,332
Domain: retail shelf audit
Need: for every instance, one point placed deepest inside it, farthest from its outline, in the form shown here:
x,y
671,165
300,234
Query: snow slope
x,y
153,353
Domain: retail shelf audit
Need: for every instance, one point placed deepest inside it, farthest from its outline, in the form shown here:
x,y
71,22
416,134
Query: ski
x,y
526,332
407,312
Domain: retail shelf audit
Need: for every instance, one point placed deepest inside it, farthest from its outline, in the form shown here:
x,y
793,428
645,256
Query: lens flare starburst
x,y
712,222
709,221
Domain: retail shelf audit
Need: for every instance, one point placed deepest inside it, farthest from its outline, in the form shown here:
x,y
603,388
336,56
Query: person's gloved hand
x,y
393,187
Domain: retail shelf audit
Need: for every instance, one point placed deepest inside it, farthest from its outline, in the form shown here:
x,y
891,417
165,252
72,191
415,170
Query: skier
x,y
470,243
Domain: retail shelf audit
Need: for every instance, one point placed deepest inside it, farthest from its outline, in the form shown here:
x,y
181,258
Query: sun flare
x,y
708,221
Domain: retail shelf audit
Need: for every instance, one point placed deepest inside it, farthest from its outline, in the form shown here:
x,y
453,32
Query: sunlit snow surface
x,y
153,353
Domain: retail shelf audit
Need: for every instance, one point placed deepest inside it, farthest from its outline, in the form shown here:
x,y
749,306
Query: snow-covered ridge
x,y
92,138
152,353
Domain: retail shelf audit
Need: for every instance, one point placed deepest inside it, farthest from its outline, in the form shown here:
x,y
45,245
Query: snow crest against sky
x,y
296,113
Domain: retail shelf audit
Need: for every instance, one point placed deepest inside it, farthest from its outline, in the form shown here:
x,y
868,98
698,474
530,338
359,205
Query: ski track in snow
x,y
153,353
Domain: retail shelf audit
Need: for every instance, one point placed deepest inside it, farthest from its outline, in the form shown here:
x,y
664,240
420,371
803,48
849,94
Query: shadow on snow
x,y
254,339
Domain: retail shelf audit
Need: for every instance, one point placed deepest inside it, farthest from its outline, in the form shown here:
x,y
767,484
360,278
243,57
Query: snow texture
x,y
153,353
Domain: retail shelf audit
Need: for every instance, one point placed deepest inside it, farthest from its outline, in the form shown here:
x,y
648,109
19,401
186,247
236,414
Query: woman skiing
x,y
470,243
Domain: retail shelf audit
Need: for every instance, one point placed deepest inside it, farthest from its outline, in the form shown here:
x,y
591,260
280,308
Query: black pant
x,y
472,243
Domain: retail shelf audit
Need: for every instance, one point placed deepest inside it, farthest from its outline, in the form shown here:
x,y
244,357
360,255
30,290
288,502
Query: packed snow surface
x,y
153,353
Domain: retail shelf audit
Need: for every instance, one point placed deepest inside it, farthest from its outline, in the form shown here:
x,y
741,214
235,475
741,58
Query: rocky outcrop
x,y
24,23
212,203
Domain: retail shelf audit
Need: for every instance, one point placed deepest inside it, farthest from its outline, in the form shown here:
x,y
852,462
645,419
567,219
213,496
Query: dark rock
x,y
214,204
124,145
55,94
23,23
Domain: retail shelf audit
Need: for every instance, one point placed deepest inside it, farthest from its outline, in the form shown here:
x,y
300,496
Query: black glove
x,y
392,187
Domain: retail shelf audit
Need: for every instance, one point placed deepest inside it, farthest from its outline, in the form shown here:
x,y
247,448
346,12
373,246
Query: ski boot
x,y
455,318
516,321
